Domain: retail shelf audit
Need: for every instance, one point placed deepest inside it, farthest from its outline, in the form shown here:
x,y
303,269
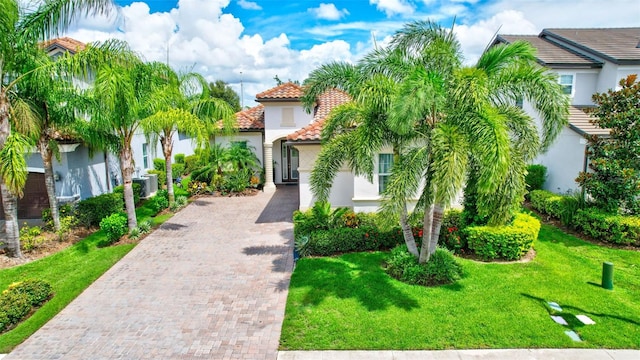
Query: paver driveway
x,y
210,283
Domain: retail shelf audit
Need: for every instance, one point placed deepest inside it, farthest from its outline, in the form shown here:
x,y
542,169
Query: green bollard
x,y
607,275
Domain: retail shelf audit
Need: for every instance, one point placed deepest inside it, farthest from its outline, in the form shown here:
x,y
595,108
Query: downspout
x,y
106,171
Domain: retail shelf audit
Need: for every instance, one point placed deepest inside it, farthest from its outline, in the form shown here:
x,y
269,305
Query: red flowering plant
x,y
451,235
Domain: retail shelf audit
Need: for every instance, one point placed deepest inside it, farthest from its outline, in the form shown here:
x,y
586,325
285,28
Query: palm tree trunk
x,y
436,224
426,234
12,234
49,181
126,166
407,232
167,149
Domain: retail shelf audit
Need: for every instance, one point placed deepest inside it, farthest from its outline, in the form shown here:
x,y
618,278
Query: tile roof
x,y
251,119
580,121
286,91
550,54
619,45
67,43
326,102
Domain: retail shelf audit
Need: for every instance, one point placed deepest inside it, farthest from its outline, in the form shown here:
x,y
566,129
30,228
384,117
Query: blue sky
x,y
252,41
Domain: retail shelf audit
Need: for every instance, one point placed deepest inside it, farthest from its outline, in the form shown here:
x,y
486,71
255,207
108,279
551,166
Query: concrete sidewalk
x,y
507,354
211,283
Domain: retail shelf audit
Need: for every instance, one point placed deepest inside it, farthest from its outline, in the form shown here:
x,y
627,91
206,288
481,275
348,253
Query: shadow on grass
x,y
554,235
569,313
357,276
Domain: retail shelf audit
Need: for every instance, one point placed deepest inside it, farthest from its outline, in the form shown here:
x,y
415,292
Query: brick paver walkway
x,y
211,283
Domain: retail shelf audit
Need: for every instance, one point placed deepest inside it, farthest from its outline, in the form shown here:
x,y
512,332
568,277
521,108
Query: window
x,y
566,81
385,161
145,155
519,102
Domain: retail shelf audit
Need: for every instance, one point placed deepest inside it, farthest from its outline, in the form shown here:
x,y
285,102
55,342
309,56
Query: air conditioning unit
x,y
148,185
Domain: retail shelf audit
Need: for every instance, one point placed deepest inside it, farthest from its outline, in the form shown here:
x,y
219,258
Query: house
x,y
79,173
287,140
586,61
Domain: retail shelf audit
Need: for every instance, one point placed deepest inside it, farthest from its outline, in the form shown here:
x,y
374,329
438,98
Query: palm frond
x,y
335,75
408,175
450,162
13,166
332,155
25,117
503,55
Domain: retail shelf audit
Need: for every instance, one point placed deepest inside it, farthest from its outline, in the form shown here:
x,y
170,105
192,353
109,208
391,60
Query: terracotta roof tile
x,y
326,102
67,43
286,91
251,119
580,121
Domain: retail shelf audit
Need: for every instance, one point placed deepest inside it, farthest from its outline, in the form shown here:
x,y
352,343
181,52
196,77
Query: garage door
x,y
34,200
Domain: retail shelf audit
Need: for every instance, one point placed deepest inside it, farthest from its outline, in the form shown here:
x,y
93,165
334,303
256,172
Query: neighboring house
x,y
586,61
79,174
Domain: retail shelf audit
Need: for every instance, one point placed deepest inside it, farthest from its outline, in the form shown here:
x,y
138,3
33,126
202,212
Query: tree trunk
x,y
167,149
438,215
126,166
49,181
407,233
9,200
12,234
425,252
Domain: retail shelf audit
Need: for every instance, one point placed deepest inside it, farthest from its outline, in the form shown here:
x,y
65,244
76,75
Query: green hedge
x,y
344,240
508,242
536,176
137,191
602,226
547,202
114,226
92,210
441,268
17,301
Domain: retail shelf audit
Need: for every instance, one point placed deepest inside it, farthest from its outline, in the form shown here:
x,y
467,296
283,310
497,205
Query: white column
x,y
269,186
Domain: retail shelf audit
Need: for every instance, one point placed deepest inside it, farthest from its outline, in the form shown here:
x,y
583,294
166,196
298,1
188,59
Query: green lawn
x,y
348,302
69,272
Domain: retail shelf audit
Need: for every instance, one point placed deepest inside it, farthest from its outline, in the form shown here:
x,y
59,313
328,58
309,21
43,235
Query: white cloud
x,y
393,7
474,38
328,12
249,5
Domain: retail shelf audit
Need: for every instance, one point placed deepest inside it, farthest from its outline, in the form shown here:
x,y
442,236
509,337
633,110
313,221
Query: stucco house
x,y
586,61
79,174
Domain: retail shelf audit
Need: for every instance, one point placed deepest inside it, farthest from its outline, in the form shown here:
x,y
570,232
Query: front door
x,y
290,161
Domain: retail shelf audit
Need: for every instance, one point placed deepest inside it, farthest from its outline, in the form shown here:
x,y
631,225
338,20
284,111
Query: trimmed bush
x,y
508,242
536,176
177,170
547,202
92,210
114,226
616,229
178,158
16,301
441,268
191,163
137,190
159,203
344,239
159,164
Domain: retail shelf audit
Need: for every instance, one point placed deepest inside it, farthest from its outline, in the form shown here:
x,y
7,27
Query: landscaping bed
x,y
349,302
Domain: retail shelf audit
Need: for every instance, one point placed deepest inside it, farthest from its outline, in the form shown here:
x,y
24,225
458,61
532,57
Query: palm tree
x,y
444,118
182,103
21,30
480,125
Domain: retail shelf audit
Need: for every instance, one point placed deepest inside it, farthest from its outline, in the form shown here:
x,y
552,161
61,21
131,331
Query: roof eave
x,y
261,100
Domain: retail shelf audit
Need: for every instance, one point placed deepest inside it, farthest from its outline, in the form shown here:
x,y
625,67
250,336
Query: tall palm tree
x,y
182,103
22,30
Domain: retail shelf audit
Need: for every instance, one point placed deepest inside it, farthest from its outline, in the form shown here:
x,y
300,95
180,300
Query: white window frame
x,y
573,82
145,156
383,175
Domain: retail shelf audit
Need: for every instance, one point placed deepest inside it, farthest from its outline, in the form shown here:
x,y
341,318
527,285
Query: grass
x,y
349,302
69,272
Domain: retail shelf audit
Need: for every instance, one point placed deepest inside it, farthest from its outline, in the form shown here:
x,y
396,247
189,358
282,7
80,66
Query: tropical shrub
x,y
67,223
137,191
145,227
451,234
441,268
30,237
236,181
547,202
191,163
196,187
616,229
340,240
90,211
17,301
178,158
159,164
162,177
114,226
63,210
509,242
135,233
158,203
536,176
177,170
